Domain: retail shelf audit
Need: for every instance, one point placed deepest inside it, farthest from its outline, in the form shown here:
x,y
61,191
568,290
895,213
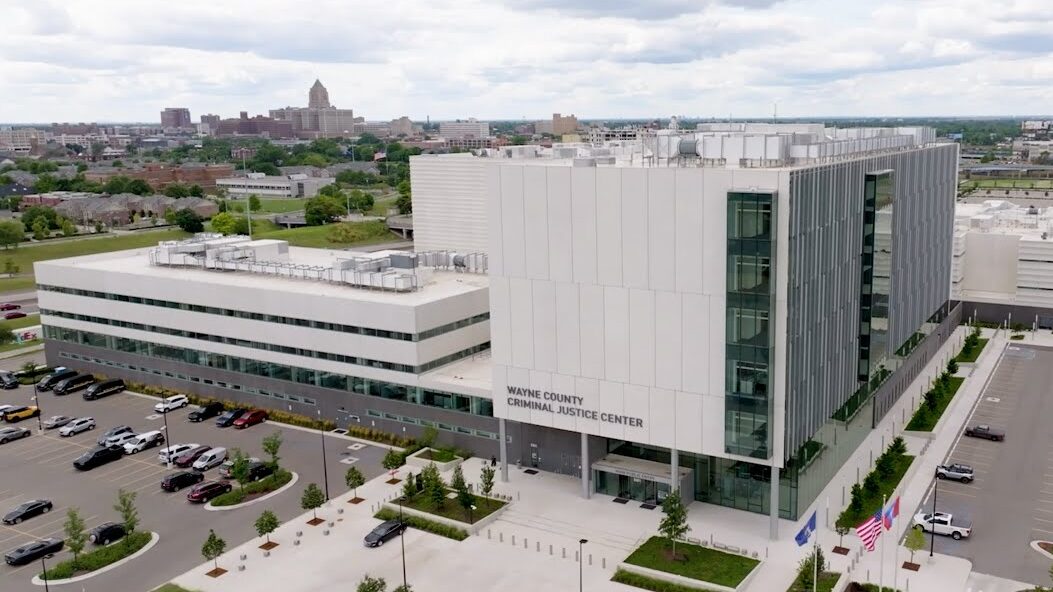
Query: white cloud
x,y
124,60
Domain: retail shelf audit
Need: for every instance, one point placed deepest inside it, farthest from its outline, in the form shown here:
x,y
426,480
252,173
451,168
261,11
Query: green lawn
x,y
332,236
453,510
1012,183
872,504
700,563
971,356
26,321
645,583
24,257
827,581
13,346
924,419
170,587
280,206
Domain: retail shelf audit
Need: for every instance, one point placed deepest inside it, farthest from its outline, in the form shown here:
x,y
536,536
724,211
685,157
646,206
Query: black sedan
x,y
33,551
27,510
206,412
383,532
8,381
227,419
106,533
177,481
98,456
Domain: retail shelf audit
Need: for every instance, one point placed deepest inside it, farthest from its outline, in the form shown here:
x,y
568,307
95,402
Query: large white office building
x,y
725,311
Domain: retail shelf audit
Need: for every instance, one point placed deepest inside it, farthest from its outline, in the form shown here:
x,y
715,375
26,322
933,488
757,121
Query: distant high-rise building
x,y
211,119
175,117
472,128
318,96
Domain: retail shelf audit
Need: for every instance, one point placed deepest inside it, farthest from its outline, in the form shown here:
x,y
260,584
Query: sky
x,y
125,60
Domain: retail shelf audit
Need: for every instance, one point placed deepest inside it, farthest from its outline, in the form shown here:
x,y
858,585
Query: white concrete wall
x,y
609,284
449,203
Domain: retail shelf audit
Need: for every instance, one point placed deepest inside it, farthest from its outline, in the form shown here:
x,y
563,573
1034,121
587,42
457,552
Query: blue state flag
x,y
806,532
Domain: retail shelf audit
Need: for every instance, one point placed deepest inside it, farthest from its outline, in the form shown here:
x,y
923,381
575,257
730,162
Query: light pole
x,y
325,469
36,401
168,436
581,563
44,571
402,539
935,489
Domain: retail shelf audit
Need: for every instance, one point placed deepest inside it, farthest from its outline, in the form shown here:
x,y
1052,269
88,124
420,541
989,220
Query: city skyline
x,y
518,59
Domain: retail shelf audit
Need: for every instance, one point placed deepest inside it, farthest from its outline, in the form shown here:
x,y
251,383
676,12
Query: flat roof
x,y
473,375
441,284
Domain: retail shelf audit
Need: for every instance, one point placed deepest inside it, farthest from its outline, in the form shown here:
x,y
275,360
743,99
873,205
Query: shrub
x,y
637,581
393,460
375,435
872,484
99,558
266,485
856,504
445,530
952,366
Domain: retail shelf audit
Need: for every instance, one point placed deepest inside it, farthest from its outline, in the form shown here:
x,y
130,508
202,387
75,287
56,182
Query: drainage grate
x,y
648,506
620,500
531,471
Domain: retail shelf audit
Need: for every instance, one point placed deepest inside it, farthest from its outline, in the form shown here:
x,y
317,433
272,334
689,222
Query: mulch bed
x,y
215,573
268,545
1046,546
841,550
356,500
393,481
315,521
911,566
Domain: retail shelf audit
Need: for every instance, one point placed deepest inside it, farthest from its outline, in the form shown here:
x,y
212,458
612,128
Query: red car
x,y
10,306
203,492
14,315
187,458
250,419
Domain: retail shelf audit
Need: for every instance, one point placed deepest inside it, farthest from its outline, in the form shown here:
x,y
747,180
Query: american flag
x,y
869,531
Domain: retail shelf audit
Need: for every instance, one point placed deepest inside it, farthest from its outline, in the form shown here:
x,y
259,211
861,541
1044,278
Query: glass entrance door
x,y
633,488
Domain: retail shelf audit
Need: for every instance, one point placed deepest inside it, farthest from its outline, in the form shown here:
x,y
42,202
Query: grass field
x,y
1011,183
970,357
27,321
280,206
700,563
24,257
13,346
330,236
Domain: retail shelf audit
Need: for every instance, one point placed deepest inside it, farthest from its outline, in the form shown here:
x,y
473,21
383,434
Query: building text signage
x,y
564,404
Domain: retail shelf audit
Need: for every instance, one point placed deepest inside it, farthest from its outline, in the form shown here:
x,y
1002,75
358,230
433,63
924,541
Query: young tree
x,y
457,482
486,481
12,232
403,588
428,436
872,485
189,221
76,538
125,506
312,499
674,522
266,524
856,501
405,199
271,445
68,228
224,223
807,568
371,584
466,501
952,366
392,460
409,487
239,467
354,479
915,542
213,548
254,203
434,485
40,230
841,531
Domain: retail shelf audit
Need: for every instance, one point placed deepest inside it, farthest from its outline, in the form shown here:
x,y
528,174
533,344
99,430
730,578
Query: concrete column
x,y
586,469
504,449
674,469
773,510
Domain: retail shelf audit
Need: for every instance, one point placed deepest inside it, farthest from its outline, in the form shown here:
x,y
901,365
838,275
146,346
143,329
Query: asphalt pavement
x,y
1010,502
41,467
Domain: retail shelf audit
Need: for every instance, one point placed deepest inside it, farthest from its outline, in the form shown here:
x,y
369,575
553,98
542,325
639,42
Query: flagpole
x,y
895,553
815,563
881,570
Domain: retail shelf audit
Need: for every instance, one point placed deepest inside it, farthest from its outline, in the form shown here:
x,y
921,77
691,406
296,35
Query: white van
x,y
212,458
143,441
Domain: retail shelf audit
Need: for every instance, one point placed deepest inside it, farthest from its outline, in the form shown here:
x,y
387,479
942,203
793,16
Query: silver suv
x,y
956,471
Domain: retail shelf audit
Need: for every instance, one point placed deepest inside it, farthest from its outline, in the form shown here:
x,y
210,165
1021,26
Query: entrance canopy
x,y
638,468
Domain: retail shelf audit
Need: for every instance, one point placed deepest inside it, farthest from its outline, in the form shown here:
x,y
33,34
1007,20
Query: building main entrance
x,y
638,480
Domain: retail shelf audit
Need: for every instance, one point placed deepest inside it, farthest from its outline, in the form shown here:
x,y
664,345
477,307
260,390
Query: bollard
x,y
241,567
332,524
550,549
266,553
564,552
296,541
299,533
576,558
339,510
525,544
500,537
538,543
590,558
604,562
244,557
513,540
488,537
326,532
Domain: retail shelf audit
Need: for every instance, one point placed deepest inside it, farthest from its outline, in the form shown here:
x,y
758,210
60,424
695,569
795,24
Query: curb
x,y
154,537
295,478
1047,554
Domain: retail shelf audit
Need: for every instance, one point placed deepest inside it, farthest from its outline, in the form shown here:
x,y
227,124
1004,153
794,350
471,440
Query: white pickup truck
x,y
942,523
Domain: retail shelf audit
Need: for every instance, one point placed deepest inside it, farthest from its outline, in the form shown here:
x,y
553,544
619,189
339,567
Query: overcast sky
x,y
124,60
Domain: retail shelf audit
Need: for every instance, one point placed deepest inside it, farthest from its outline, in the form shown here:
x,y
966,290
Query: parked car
x,y
187,458
224,469
177,481
250,419
173,451
27,510
206,412
986,432
956,471
5,408
114,431
10,306
56,421
212,458
8,381
106,533
383,532
19,413
11,434
98,456
943,523
120,440
73,384
76,426
16,314
32,551
228,418
143,441
55,377
172,403
104,389
203,492
259,470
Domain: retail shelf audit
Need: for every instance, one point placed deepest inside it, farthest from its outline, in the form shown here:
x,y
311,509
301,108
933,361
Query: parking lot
x,y
1010,502
41,467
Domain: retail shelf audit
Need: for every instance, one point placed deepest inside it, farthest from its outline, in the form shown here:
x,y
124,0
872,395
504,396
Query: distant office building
x,y
402,126
211,119
261,126
318,96
380,129
74,128
243,152
319,119
472,128
160,175
558,125
273,186
22,140
176,117
209,124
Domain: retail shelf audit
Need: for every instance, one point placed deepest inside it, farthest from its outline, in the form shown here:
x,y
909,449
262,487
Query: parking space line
x,y
953,492
1046,520
1033,528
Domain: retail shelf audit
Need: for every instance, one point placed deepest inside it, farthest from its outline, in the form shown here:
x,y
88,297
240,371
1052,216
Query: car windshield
x,y
382,528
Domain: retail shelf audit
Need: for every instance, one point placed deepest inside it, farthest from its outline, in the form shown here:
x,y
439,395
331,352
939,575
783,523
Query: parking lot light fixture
x,y
325,469
581,563
402,539
168,437
935,489
44,571
36,401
